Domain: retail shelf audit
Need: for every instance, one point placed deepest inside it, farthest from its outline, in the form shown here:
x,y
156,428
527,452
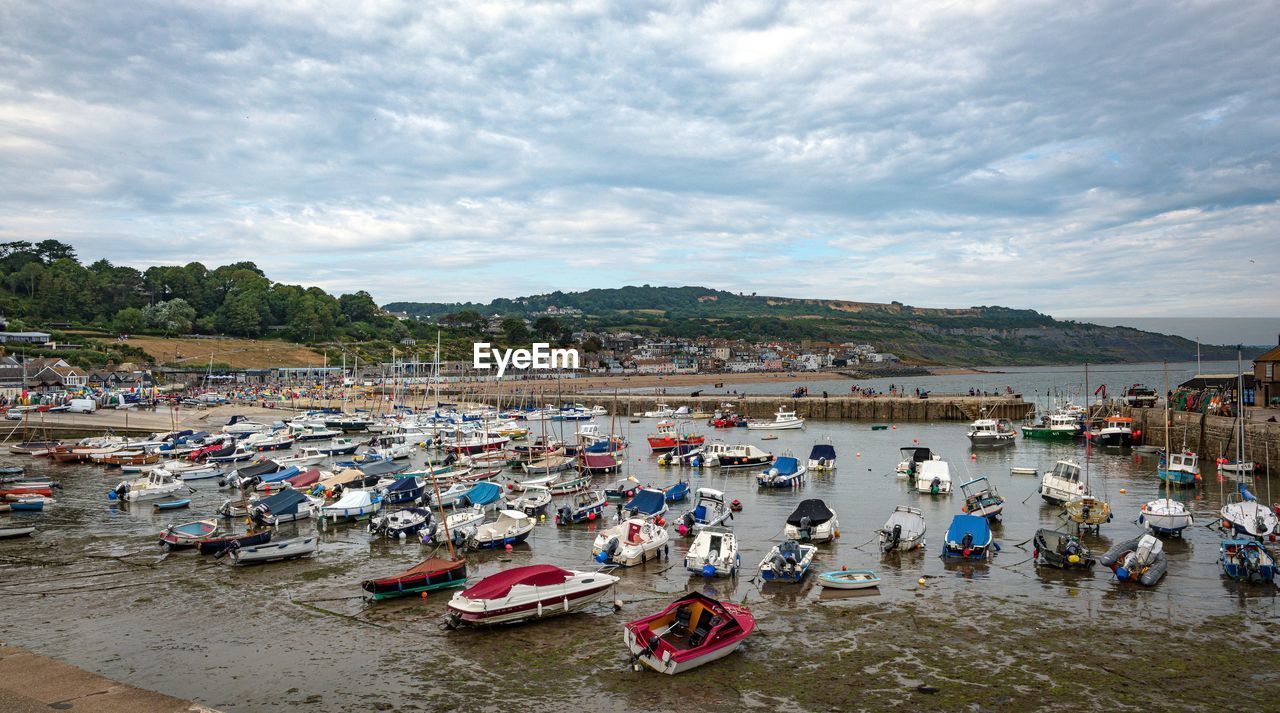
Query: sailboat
x,y
1243,515
1165,516
1087,510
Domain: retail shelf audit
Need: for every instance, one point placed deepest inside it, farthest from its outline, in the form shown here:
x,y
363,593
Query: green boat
x,y
879,428
1061,427
432,573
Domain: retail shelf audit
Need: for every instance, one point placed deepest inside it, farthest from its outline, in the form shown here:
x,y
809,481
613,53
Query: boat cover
x,y
403,485
433,565
266,466
648,502
279,475
482,494
918,454
283,502
962,525
814,509
786,465
383,467
301,480
823,450
499,585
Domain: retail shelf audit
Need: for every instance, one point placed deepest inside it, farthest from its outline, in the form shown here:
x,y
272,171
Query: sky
x,y
1098,159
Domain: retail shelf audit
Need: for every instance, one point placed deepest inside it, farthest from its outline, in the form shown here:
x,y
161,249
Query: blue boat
x,y
586,506
32,505
1179,469
480,494
969,537
280,475
647,502
173,504
785,472
1247,561
403,491
788,561
676,492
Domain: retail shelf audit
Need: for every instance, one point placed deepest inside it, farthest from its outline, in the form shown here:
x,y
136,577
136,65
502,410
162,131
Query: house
x,y
40,338
1266,378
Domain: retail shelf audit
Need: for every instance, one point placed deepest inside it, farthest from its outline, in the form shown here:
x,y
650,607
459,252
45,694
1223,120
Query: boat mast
x,y
1166,434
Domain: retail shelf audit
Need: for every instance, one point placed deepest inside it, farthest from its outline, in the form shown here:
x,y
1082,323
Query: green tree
x,y
358,307
547,327
129,320
514,330
173,316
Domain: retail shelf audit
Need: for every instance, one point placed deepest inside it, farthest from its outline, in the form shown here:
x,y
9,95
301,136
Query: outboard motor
x,y
966,543
121,489
779,564
563,515
936,486
250,482
806,526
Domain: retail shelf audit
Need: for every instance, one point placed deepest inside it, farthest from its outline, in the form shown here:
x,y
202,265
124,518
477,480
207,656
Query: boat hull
x,y
540,608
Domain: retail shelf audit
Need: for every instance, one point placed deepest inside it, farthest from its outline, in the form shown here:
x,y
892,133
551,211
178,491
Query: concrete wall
x,y
839,408
1210,436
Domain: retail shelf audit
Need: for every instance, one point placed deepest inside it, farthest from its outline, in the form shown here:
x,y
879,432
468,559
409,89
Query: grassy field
x,y
238,353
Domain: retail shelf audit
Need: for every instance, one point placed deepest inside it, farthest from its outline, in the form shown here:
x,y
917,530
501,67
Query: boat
x,y
284,506
991,432
156,485
903,531
689,632
600,463
8,530
912,457
1088,511
1141,559
553,462
399,524
529,592
1181,469
668,437
587,506
220,545
1024,470
231,454
812,521
248,476
1116,432
460,525
337,447
646,503
307,456
709,510
1062,550
1164,516
721,455
659,411
1062,484
1236,467
1244,515
480,495
633,541
281,442
172,504
784,419
981,498
353,505
714,553
969,536
428,575
849,579
786,472
822,457
32,503
275,551
511,528
402,491
676,492
788,561
187,534
533,500
1247,560
1058,426
624,489
477,444
239,425
933,477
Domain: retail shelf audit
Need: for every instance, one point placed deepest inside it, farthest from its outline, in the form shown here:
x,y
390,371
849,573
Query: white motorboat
x,y
1164,516
660,411
912,457
530,592
533,500
1244,515
787,561
741,455
991,432
353,505
1062,484
784,419
714,553
156,485
812,521
1237,467
933,477
512,527
461,525
822,458
307,456
903,531
630,542
709,510
275,551
241,426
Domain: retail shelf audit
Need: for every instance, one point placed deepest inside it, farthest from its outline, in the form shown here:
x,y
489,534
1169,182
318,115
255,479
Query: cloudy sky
x,y
1101,159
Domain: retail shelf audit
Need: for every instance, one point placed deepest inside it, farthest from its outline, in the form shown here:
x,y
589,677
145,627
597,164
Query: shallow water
x,y
298,633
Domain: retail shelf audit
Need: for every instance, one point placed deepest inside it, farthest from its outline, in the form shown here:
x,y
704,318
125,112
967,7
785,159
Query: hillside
x,y
978,335
235,353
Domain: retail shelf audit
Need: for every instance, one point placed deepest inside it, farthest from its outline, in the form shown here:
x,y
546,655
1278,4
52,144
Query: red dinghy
x,y
24,491
693,630
669,438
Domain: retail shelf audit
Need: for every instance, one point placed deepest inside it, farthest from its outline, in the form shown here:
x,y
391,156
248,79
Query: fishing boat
x,y
187,534
912,457
714,553
981,499
786,472
709,510
1062,550
812,521
822,457
275,551
220,545
399,524
511,528
1141,560
1062,484
156,485
1236,467
991,432
631,542
933,477
659,411
1056,426
533,500
284,506
849,579
587,506
689,632
722,455
1116,432
788,561
1244,515
969,537
428,575
668,437
530,592
646,503
1181,469
676,492
784,419
337,447
903,531
1247,560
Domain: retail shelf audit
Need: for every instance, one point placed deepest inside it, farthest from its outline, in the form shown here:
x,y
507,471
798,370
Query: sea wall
x,y
837,408
1210,436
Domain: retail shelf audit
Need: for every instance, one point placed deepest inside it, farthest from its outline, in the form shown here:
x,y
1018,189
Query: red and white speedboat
x,y
693,630
531,592
669,438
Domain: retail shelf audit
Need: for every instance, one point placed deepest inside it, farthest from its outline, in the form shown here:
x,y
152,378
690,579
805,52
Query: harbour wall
x,y
1209,436
837,408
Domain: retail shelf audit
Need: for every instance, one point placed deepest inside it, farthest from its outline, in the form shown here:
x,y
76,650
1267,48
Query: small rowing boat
x,y
849,579
172,504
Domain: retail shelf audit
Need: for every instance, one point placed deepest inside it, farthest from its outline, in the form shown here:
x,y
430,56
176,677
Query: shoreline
x,y
30,682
